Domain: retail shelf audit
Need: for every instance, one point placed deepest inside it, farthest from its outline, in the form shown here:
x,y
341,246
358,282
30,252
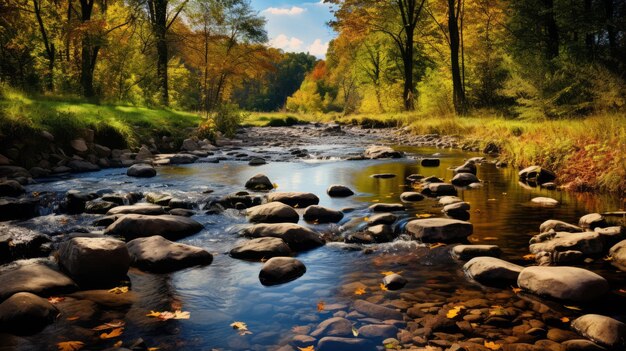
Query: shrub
x,y
227,119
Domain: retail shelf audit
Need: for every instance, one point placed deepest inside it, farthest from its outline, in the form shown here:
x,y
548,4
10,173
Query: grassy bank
x,y
22,116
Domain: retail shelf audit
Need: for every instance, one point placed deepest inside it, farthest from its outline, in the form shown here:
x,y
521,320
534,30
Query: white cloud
x,y
318,48
286,43
294,10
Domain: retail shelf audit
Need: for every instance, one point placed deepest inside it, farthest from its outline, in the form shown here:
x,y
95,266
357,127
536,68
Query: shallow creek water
x,y
229,290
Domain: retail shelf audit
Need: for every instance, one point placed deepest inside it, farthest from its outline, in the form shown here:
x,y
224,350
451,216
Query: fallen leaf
x,y
608,258
166,315
154,314
490,238
116,323
153,348
423,215
529,257
516,290
383,287
366,219
118,344
436,245
355,332
113,334
72,318
119,290
492,200
242,328
275,186
320,306
452,313
474,239
386,273
565,320
498,311
70,345
575,308
359,291
54,300
492,345
375,200
308,348
182,314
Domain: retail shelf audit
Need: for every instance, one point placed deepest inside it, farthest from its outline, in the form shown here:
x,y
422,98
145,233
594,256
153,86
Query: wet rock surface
x,y
157,254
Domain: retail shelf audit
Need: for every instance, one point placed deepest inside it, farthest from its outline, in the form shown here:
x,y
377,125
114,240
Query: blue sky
x,y
297,26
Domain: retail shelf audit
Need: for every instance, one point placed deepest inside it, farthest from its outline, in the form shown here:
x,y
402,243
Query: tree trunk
x,y
409,92
458,94
552,30
158,19
610,28
87,54
50,49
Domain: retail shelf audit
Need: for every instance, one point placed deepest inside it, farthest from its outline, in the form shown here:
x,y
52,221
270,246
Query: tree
x,y
455,10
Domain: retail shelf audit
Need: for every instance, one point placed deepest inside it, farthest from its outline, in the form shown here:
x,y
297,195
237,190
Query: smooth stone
x,y
11,188
467,167
24,313
336,326
80,166
489,270
333,343
94,259
592,221
564,283
618,255
79,145
378,332
415,177
337,190
382,218
467,252
439,189
439,229
386,207
589,243
581,345
558,226
432,179
294,198
279,270
297,237
537,174
11,208
99,207
376,311
611,235
19,242
142,208
259,182
157,254
464,179
411,196
181,212
456,207
602,330
260,248
273,212
544,201
379,151
394,281
182,159
141,170
34,277
257,161
430,162
381,233
132,226
449,200
321,214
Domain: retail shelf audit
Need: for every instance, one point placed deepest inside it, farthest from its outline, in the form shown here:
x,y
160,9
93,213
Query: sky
x,y
297,26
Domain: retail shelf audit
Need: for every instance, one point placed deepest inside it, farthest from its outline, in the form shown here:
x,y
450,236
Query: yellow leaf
x,y
386,273
359,291
565,320
573,308
239,325
454,312
320,306
366,219
492,345
383,287
423,215
119,290
275,185
70,345
116,323
113,334
308,348
118,344
529,257
436,245
490,238
72,318
516,290
54,300
181,314
154,314
608,258
355,332
153,348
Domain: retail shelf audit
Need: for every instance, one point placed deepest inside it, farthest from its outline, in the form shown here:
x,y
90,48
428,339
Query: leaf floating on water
x,y
454,312
423,215
355,332
153,314
242,328
116,323
119,290
166,315
182,314
308,348
383,287
113,334
54,300
436,245
492,345
575,308
516,290
386,273
275,186
608,258
565,320
366,219
359,291
72,318
70,345
529,257
320,306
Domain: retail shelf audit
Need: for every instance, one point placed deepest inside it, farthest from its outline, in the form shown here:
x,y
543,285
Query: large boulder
x,y
79,145
467,252
592,221
321,214
34,277
157,254
19,242
297,237
92,260
11,208
294,199
439,189
411,196
386,207
273,212
11,188
618,255
464,179
490,270
558,226
142,208
536,174
99,207
602,330
80,166
134,226
336,326
261,248
335,343
279,270
378,332
589,243
376,311
337,190
379,151
380,233
24,313
259,182
439,229
183,159
141,170
564,283
467,167
382,218
430,162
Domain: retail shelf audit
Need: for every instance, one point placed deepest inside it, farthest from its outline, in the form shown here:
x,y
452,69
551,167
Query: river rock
x,y
383,175
439,189
536,174
190,144
386,207
430,162
602,330
589,243
321,214
456,208
411,196
101,150
592,221
25,313
564,283
76,201
14,172
378,152
334,343
11,188
489,270
558,226
581,345
439,229
467,252
80,166
132,226
449,200
618,255
337,190
611,235
259,182
378,332
158,199
34,277
11,208
336,326
99,207
382,218
157,254
273,212
261,248
98,260
142,208
279,270
467,167
381,233
79,145
464,179
415,177
544,201
376,311
19,242
141,170
394,282
294,199
432,179
297,237
257,161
